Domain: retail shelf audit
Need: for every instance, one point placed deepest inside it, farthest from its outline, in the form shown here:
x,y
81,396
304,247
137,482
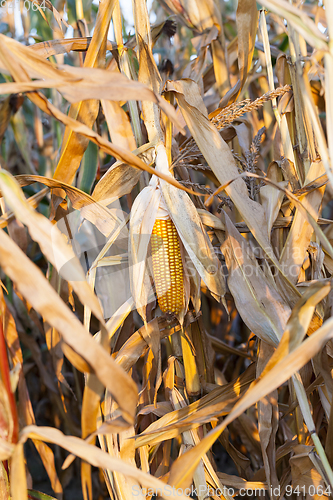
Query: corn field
x,y
166,249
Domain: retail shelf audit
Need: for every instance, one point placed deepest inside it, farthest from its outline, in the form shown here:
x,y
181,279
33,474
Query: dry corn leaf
x,y
93,391
51,242
143,216
61,46
151,335
5,115
47,457
302,314
86,111
136,346
13,343
189,439
115,426
84,84
322,369
304,406
126,156
303,470
197,15
299,236
217,403
286,288
91,400
299,20
120,178
132,350
73,82
126,486
92,395
46,3
18,478
192,382
297,326
148,72
6,423
268,423
64,45
239,482
10,58
98,458
305,211
119,126
205,17
280,373
246,21
99,215
261,307
271,200
46,301
220,159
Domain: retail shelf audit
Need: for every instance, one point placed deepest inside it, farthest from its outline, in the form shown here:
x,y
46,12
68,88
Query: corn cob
x,y
167,266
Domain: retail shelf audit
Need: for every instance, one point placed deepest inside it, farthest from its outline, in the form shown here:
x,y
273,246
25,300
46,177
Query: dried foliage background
x,y
237,391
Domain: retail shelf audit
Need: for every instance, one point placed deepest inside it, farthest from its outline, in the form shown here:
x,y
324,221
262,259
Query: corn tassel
x,y
167,266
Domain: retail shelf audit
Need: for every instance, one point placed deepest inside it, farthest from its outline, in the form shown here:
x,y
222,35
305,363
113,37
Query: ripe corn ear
x,y
167,266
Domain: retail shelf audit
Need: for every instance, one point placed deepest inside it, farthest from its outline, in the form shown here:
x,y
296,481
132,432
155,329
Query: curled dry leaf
x,y
260,305
120,178
51,242
104,219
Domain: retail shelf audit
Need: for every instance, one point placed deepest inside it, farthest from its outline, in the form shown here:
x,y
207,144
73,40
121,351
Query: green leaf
x,y
37,495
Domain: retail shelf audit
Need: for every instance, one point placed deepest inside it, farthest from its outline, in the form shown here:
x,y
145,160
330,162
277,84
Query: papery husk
x,y
156,201
192,234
